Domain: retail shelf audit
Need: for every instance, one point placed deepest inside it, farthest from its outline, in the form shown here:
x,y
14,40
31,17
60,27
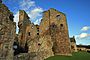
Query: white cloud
x,y
37,21
85,28
35,13
82,35
26,4
32,10
16,19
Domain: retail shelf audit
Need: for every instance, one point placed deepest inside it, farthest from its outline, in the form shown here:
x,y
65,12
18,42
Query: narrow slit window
x,y
29,33
38,30
11,17
37,33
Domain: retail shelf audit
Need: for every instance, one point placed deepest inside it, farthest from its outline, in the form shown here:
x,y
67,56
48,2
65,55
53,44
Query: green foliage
x,y
75,56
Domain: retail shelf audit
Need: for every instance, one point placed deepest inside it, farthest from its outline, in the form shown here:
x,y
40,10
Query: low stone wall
x,y
2,58
26,56
23,56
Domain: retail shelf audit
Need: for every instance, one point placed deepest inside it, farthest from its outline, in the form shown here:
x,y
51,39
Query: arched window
x,y
58,17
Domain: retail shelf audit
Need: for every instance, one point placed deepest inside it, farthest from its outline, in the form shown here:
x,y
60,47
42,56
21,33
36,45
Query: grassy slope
x,y
76,56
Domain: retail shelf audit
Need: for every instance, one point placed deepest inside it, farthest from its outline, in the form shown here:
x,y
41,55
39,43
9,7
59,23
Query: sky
x,y
77,13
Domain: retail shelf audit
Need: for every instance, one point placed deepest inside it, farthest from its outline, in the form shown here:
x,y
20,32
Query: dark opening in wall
x,y
39,44
18,49
26,47
37,33
72,47
29,33
6,46
61,25
11,17
37,30
53,26
58,17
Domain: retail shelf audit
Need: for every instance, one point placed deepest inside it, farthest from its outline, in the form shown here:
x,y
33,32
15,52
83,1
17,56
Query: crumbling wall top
x,y
73,39
54,10
23,15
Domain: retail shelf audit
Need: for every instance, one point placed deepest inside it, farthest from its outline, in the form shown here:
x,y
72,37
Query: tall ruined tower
x,y
23,22
27,30
7,33
54,23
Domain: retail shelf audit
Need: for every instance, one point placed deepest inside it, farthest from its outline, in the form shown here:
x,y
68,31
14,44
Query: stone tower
x,y
27,30
54,23
7,32
22,24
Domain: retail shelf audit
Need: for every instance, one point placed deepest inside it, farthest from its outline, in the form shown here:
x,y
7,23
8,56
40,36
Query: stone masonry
x,y
36,42
7,33
47,39
55,23
73,44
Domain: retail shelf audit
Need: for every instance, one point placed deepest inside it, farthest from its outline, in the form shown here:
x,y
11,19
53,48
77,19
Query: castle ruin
x,y
41,41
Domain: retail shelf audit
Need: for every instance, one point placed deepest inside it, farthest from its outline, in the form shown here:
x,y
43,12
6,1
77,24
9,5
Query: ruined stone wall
x,y
73,44
7,33
49,38
56,23
22,24
44,40
40,45
73,47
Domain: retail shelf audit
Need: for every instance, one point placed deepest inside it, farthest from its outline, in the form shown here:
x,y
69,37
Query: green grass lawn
x,y
75,56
